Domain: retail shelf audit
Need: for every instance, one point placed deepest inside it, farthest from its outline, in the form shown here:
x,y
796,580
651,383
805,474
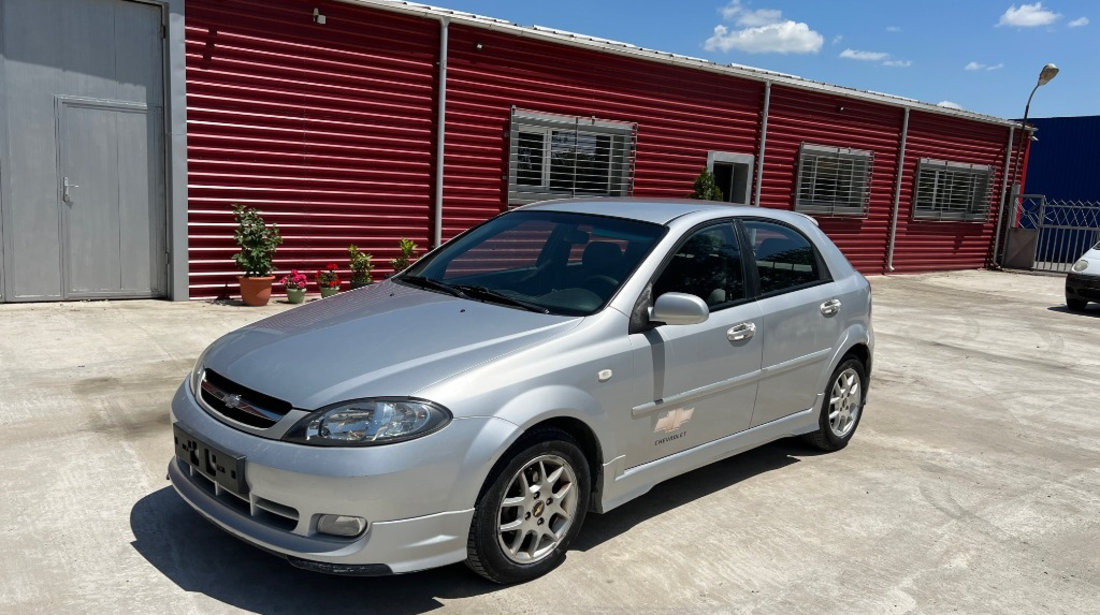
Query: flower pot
x,y
295,295
328,291
256,291
355,284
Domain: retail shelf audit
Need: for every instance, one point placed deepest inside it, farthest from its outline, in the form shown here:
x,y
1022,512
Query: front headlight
x,y
367,422
1080,265
197,372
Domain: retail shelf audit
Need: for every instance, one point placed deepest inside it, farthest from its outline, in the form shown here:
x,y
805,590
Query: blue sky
x,y
982,55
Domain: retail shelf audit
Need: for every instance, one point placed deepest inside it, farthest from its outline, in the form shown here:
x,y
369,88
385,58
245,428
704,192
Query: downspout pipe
x,y
440,132
763,141
1001,222
897,192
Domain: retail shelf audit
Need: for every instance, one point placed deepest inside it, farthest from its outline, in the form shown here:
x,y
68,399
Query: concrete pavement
x,y
972,485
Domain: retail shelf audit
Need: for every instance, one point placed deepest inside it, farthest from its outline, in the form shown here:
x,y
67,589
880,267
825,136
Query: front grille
x,y
241,403
267,512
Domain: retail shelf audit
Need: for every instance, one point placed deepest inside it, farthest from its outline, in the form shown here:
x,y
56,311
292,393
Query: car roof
x,y
657,211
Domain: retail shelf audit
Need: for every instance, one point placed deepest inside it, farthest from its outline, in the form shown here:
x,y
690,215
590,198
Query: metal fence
x,y
1066,230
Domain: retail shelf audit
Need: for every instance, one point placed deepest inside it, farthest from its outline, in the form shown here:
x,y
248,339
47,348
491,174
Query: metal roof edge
x,y
626,49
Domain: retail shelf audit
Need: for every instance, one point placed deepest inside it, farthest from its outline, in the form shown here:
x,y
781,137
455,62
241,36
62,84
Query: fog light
x,y
341,525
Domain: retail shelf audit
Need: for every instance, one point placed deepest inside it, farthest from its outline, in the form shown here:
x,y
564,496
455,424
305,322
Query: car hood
x,y
382,340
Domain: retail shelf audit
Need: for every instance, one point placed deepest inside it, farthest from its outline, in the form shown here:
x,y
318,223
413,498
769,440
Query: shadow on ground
x,y
1093,309
199,557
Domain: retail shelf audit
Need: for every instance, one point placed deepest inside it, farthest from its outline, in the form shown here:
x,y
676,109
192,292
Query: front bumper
x,y
1081,286
416,496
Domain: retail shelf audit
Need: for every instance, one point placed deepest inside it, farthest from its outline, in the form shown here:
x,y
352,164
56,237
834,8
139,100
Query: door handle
x,y
741,332
830,307
65,187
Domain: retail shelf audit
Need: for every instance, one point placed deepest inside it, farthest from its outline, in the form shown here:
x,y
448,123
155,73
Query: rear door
x,y
800,309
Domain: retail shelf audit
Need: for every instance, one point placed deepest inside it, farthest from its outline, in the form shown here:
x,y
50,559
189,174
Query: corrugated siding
x,y
681,114
327,129
937,246
798,116
1062,163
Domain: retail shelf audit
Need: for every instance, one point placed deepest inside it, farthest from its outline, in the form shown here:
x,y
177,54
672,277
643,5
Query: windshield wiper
x,y
488,294
423,282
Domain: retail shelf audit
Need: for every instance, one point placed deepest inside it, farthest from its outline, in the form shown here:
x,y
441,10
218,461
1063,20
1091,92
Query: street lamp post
x,y
1049,71
1045,75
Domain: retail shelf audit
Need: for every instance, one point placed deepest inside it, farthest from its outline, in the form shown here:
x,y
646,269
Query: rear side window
x,y
785,258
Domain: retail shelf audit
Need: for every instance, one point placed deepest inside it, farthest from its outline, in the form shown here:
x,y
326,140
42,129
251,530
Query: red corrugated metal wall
x,y
327,129
797,116
936,246
681,114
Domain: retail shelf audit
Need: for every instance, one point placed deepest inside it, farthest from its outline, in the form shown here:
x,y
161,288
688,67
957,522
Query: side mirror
x,y
679,309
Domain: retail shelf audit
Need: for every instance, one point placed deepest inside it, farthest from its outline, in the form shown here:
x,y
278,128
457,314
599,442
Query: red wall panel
x,y
328,130
681,114
797,116
924,245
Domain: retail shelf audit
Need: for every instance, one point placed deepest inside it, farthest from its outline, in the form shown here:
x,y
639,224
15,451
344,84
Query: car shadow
x,y
1093,309
199,557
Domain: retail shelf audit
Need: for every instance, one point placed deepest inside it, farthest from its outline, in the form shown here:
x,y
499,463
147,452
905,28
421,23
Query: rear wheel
x,y
843,406
530,509
1076,304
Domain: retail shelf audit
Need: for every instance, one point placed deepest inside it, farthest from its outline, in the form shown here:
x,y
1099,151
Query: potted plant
x,y
408,251
705,188
257,241
361,267
295,286
328,280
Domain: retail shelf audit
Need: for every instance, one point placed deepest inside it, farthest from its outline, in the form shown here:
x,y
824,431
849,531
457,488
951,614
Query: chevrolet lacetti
x,y
561,358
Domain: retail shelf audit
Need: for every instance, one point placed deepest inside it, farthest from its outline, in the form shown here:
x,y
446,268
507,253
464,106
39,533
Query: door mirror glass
x,y
679,309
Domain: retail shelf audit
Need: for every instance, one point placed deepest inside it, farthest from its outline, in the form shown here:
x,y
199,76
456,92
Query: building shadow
x,y
199,557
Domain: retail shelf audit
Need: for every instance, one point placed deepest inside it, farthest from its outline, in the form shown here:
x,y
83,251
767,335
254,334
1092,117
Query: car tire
x,y
531,508
1075,304
842,407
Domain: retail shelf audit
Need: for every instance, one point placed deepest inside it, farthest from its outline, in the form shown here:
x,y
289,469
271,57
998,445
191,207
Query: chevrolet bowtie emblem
x,y
232,400
673,419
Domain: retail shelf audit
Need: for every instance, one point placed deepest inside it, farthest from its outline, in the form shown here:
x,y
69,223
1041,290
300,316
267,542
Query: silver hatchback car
x,y
561,358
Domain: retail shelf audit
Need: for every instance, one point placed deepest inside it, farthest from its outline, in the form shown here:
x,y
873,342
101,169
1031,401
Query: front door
x,y
704,376
111,209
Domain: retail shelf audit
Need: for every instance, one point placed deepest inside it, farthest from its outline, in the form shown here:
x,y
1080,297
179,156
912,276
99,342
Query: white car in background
x,y
1083,281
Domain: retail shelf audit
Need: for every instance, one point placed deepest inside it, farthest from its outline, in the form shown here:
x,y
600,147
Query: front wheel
x,y
530,510
843,406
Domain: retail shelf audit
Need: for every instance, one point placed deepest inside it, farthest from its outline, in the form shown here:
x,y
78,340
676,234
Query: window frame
x,y
621,154
935,211
821,205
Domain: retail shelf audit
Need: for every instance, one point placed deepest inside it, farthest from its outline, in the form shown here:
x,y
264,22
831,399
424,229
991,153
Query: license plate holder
x,y
225,469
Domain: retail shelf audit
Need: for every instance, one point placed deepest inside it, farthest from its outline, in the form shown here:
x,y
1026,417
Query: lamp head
x,y
1049,71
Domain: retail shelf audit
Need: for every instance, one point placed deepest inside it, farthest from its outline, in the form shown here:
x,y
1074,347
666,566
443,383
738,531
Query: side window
x,y
707,265
785,259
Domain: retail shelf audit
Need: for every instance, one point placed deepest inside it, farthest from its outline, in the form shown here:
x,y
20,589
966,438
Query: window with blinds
x,y
554,156
952,191
834,181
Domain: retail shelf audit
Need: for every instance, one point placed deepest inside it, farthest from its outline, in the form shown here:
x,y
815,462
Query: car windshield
x,y
550,262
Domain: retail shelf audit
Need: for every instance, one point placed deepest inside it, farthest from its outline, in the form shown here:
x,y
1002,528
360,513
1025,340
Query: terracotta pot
x,y
295,295
256,291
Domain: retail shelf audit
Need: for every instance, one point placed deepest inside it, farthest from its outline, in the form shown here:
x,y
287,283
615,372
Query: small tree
x,y
257,241
361,266
705,188
408,253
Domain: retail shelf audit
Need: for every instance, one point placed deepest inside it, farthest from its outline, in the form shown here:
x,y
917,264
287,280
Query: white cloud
x,y
898,63
869,56
1079,22
838,38
980,66
893,28
947,104
1028,16
762,31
